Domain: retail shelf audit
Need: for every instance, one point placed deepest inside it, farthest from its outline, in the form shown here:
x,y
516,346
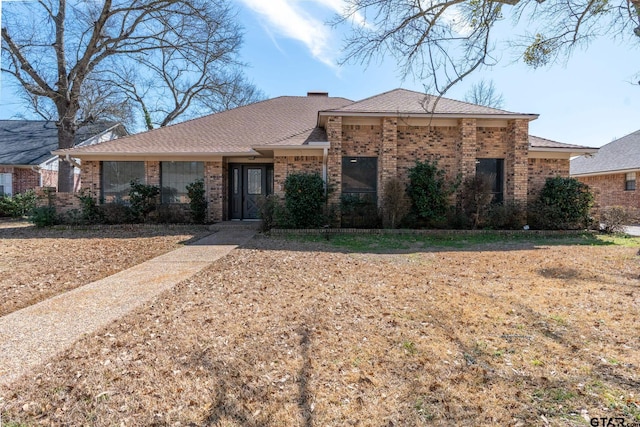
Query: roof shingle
x,y
30,142
286,120
619,155
402,101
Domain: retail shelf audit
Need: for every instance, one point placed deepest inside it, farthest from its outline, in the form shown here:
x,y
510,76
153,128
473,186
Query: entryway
x,y
247,183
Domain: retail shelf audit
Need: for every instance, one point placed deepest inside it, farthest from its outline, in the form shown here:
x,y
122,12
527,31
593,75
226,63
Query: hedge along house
x,y
355,146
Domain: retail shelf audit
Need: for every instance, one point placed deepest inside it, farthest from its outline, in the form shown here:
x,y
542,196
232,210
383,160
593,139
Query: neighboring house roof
x,y
621,155
30,142
282,121
537,143
407,102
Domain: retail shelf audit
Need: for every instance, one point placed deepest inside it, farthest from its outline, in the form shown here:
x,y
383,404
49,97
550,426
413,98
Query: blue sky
x,y
291,51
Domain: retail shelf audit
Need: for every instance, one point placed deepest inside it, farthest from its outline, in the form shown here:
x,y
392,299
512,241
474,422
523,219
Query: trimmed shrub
x,y
90,212
143,199
564,203
44,216
305,200
429,192
18,205
508,215
174,214
359,211
116,213
197,201
395,203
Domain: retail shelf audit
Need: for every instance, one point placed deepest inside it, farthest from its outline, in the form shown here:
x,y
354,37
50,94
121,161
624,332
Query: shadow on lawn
x,y
12,229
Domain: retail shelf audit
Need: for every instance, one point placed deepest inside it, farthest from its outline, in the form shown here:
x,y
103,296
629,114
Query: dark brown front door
x,y
247,184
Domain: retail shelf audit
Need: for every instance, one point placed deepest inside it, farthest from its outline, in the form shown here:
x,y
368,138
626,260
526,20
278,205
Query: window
x,y
493,169
360,175
174,178
117,177
6,186
630,181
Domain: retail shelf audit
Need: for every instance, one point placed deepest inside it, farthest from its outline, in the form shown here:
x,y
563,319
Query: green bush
x,y
44,216
305,200
143,199
197,201
564,203
174,214
89,210
429,192
19,205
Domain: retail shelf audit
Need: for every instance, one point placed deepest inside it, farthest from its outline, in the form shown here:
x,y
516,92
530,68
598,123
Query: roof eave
x,y
608,172
119,155
577,151
425,114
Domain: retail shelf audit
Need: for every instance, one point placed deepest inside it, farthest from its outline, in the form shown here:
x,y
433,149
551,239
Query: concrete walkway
x,y
35,334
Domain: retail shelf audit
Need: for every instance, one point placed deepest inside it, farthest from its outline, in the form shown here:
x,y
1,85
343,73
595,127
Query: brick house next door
x,y
247,183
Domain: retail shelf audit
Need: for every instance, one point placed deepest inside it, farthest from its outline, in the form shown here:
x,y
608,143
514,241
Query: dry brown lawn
x,y
36,264
298,333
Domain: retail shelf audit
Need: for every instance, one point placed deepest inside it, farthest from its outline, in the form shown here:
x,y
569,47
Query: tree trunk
x,y
66,138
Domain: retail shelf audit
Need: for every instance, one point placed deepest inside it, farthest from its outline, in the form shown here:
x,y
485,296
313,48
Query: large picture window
x,y
493,170
174,178
117,177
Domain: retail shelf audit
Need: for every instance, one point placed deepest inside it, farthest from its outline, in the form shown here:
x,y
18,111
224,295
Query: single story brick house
x,y
355,146
612,172
26,161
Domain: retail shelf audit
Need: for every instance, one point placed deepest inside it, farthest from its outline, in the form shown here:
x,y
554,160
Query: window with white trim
x,y
6,184
630,181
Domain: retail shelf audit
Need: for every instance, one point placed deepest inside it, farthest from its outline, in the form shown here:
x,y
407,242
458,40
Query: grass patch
x,y
379,243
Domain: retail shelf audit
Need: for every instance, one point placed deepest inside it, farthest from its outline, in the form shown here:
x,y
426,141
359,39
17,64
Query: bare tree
x,y
484,93
443,41
61,50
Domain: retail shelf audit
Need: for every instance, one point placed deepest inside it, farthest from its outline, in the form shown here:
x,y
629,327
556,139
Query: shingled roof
x,y
537,143
407,102
30,142
616,157
282,121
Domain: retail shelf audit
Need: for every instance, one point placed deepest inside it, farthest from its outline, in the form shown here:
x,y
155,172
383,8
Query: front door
x,y
248,183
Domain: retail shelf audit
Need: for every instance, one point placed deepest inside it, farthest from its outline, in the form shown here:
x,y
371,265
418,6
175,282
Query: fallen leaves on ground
x,y
283,333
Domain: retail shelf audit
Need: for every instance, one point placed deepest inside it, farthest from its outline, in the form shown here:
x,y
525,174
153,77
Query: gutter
x,y
610,172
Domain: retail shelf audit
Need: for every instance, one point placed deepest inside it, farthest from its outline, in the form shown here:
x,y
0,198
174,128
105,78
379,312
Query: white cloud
x,y
289,19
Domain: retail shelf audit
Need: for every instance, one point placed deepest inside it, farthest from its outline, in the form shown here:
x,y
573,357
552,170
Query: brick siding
x,y
609,191
284,165
540,170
